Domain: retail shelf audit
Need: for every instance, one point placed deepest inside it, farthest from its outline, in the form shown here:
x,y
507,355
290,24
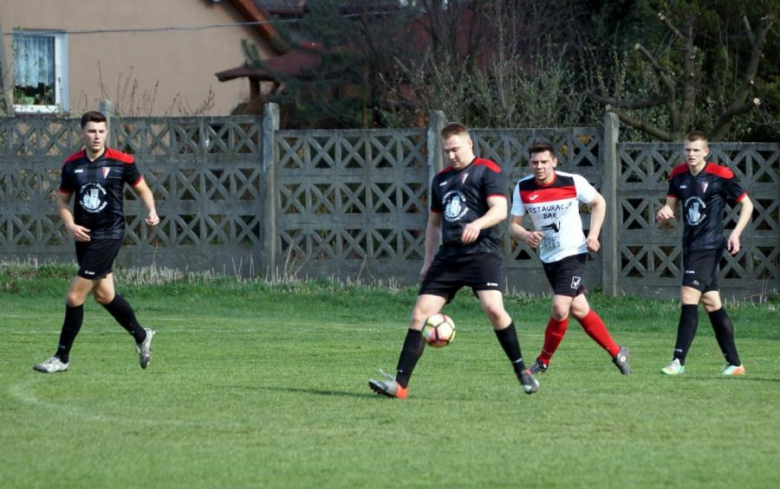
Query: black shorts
x,y
96,257
480,271
700,269
565,275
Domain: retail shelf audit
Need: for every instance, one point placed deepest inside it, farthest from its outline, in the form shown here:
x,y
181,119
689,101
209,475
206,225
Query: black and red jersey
x,y
99,187
703,199
461,197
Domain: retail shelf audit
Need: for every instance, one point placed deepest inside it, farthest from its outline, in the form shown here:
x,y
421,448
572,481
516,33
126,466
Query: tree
x,y
356,43
499,63
693,70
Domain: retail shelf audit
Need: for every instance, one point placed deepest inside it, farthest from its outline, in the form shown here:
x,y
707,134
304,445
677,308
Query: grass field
x,y
265,386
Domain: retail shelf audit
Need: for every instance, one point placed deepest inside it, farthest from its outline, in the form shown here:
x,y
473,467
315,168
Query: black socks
x,y
724,333
511,345
124,315
410,353
686,330
74,316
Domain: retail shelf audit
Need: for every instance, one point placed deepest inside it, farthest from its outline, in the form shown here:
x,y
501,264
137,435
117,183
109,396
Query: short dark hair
x,y
696,136
454,128
541,147
92,116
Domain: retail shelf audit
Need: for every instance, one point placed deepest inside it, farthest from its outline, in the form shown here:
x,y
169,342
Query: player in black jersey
x,y
97,176
468,201
703,189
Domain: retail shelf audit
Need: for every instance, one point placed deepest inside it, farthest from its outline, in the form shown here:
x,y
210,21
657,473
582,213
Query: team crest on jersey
x,y
105,171
704,186
93,198
694,211
454,206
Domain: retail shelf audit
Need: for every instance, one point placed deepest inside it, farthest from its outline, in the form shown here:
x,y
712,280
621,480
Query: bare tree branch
x,y
663,73
669,26
689,79
627,104
739,103
727,118
749,31
641,125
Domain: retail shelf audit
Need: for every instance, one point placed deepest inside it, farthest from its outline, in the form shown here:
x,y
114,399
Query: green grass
x,y
260,385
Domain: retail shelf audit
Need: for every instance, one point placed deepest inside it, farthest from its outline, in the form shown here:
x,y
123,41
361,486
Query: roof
x,y
299,64
252,13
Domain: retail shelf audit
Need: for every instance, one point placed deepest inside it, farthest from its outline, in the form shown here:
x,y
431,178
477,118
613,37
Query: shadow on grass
x,y
320,392
753,379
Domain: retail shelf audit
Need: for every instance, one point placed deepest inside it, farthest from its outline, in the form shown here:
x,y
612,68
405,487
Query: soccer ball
x,y
438,330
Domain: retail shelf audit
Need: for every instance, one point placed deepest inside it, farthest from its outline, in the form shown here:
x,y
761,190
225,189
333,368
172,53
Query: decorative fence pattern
x,y
352,203
236,194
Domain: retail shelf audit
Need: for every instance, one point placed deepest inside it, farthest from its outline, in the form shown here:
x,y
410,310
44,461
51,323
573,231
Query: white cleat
x,y
52,366
145,348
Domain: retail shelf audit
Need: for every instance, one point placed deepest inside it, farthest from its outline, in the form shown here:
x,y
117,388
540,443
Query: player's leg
x,y
724,332
77,293
492,302
595,328
397,386
554,332
74,316
593,325
116,305
686,330
426,306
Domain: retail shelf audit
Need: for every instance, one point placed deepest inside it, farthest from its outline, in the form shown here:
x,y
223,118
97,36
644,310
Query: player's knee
x,y
103,298
418,318
579,311
496,313
73,299
560,311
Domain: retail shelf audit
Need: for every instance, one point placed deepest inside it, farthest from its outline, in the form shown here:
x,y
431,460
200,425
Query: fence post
x,y
610,169
436,122
6,83
106,107
270,126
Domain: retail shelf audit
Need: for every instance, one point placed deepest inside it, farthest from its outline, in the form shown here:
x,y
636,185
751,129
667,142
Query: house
x,y
464,33
149,57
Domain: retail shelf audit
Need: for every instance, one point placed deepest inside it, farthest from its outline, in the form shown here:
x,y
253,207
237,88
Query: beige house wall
x,y
168,72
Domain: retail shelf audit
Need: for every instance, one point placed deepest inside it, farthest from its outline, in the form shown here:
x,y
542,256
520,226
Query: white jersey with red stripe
x,y
554,209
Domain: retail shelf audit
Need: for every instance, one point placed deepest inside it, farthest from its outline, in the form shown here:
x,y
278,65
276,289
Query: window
x,y
40,71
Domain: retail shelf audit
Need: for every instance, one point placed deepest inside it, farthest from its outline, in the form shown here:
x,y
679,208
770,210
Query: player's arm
x,y
667,212
745,212
79,233
520,233
147,199
432,240
497,211
598,209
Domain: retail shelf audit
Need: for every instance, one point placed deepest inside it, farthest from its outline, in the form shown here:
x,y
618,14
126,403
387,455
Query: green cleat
x,y
733,370
674,368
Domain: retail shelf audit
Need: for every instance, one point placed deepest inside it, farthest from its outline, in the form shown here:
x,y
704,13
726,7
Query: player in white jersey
x,y
552,199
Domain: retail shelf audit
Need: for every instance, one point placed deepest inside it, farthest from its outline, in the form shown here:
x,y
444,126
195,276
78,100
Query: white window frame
x,y
61,88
